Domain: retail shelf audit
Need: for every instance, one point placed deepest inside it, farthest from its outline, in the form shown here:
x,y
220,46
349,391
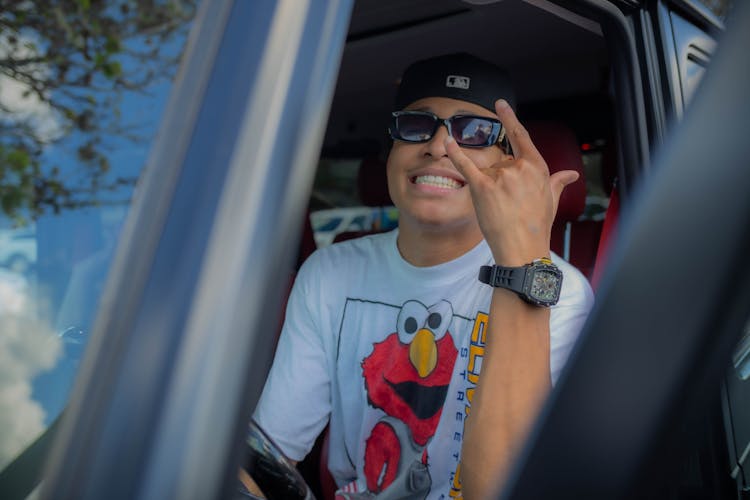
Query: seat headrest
x,y
558,146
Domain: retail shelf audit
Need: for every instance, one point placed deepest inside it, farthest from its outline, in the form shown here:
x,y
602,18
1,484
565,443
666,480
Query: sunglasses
x,y
468,130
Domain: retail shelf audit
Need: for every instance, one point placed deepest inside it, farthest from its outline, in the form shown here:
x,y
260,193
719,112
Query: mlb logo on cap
x,y
458,82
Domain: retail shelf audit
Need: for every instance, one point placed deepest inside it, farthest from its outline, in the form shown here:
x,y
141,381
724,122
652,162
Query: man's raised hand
x,y
515,199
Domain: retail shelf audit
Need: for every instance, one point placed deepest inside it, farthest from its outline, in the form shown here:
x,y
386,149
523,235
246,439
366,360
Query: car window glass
x,y
81,94
720,8
695,48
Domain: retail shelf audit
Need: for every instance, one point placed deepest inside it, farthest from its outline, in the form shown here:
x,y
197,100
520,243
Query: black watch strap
x,y
538,283
511,278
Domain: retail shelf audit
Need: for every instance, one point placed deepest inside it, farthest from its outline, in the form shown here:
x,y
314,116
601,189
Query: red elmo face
x,y
407,375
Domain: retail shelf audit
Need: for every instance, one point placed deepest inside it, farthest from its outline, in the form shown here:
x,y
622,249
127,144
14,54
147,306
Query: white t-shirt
x,y
390,353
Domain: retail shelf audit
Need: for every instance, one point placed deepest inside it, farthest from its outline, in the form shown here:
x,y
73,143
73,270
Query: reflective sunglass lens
x,y
472,131
416,128
469,131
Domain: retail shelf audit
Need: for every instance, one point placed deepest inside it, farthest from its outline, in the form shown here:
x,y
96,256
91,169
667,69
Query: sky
x,y
31,349
27,347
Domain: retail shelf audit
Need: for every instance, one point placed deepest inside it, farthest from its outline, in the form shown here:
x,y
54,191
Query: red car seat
x,y
576,241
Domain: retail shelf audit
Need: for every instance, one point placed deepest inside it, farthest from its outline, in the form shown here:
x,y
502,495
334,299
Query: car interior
x,y
571,120
561,68
559,64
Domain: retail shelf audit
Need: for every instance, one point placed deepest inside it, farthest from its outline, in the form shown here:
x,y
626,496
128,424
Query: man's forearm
x,y
513,384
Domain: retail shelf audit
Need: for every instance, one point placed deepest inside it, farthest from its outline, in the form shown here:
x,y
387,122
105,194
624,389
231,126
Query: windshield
x,y
82,89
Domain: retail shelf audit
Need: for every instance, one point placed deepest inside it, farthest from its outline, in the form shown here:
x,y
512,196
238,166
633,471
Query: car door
x,y
181,345
736,411
161,398
684,35
614,429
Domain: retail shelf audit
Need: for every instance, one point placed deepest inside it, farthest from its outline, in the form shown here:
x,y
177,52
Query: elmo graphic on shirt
x,y
407,376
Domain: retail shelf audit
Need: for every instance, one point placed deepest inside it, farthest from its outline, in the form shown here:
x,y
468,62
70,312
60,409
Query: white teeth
x,y
437,181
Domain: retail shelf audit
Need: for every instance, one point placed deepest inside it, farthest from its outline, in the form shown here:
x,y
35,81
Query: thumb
x,y
558,181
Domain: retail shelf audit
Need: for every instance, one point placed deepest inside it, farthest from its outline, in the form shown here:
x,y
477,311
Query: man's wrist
x,y
519,257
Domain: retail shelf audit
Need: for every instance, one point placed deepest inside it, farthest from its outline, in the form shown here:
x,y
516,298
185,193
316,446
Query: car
x,y
654,400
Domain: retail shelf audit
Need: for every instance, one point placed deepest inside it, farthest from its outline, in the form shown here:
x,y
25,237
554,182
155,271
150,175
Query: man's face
x,y
422,181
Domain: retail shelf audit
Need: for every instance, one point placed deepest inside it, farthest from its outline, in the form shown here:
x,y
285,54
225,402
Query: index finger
x,y
463,163
517,134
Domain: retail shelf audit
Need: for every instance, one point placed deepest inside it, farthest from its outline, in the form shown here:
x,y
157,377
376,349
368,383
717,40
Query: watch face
x,y
545,286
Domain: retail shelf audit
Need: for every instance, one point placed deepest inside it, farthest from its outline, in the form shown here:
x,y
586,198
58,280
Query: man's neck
x,y
427,246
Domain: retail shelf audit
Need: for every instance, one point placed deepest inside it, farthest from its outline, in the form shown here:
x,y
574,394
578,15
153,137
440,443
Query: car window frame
x,y
156,355
631,111
599,404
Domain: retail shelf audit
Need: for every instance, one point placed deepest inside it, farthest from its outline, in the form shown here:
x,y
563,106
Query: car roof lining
x,y
534,44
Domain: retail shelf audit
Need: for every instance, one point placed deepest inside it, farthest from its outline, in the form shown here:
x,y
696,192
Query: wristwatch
x,y
538,283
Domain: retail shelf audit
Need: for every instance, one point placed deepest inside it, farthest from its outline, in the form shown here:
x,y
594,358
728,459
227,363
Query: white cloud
x,y
28,346
15,96
12,293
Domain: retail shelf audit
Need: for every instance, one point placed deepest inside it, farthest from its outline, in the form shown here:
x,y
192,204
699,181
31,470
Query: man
x,y
385,336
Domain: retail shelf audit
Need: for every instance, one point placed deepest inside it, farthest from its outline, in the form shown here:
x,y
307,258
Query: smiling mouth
x,y
437,181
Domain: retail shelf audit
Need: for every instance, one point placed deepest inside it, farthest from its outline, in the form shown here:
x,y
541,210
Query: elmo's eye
x,y
411,318
434,320
439,319
410,325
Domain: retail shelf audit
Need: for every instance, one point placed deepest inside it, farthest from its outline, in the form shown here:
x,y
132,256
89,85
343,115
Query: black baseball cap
x,y
457,76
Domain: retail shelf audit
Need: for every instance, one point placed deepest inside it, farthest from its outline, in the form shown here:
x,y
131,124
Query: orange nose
x,y
423,352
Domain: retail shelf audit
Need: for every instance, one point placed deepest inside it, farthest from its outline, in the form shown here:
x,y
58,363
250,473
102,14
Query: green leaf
x,y
18,160
112,45
86,153
112,69
104,164
11,200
